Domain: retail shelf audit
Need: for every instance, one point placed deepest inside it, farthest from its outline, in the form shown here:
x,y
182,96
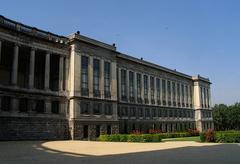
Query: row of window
x,y
95,108
125,111
163,127
26,105
96,77
206,114
179,92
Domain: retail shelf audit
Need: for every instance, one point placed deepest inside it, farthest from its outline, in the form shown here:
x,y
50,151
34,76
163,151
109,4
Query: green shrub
x,y
175,135
123,137
134,138
227,136
131,138
202,137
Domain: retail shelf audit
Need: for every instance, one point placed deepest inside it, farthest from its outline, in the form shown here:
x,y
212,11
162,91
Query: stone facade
x,y
75,87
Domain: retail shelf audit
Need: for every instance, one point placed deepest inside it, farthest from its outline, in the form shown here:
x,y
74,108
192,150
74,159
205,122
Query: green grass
x,y
196,138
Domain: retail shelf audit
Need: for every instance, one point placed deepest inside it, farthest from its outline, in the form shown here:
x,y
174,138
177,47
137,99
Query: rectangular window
x,y
145,79
107,109
84,76
205,103
97,108
152,83
190,96
158,91
186,89
164,91
96,77
169,93
139,87
55,107
39,108
154,112
131,86
107,76
159,112
5,104
124,84
132,112
85,107
201,89
183,96
178,95
140,112
124,110
174,93
147,112
23,105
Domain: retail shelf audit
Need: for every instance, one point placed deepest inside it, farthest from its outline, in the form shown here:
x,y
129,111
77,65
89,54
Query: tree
x,y
226,117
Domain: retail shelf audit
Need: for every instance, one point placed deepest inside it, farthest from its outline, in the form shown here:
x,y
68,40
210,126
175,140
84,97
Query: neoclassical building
x,y
75,87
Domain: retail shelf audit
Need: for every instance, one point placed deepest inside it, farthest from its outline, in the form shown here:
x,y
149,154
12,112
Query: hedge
x,y
130,138
221,136
227,136
141,137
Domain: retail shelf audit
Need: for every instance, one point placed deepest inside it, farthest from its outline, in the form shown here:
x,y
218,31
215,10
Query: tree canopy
x,y
226,117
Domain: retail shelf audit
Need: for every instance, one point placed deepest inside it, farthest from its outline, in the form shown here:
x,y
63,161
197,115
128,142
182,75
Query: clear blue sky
x,y
194,37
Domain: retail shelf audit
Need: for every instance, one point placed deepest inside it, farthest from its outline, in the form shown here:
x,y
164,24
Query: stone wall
x,y
77,129
32,128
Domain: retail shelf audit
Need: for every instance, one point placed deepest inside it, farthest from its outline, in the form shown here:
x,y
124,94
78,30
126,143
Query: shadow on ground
x,y
32,152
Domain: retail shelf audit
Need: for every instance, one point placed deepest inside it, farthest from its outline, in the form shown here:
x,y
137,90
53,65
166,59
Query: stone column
x,y
48,106
0,50
189,95
206,98
135,86
203,98
176,94
209,98
60,83
127,85
66,73
119,84
31,69
62,105
101,82
47,71
161,92
166,89
90,76
15,65
14,105
114,81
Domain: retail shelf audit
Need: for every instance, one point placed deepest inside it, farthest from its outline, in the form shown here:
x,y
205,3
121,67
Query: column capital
x,y
33,48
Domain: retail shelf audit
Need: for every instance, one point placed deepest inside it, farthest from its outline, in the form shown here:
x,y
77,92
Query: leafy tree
x,y
226,117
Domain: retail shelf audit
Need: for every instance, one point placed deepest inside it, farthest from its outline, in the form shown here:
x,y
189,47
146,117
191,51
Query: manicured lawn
x,y
195,138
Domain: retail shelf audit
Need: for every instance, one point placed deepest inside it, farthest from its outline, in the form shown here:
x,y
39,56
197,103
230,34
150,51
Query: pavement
x,y
89,152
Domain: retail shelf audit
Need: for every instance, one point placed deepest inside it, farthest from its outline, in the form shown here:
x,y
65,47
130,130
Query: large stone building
x,y
75,87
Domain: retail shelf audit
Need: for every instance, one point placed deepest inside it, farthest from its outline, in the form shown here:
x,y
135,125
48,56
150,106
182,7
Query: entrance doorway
x,y
85,131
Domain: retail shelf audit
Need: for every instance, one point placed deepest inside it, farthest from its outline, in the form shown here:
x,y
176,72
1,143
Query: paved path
x,y
84,152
